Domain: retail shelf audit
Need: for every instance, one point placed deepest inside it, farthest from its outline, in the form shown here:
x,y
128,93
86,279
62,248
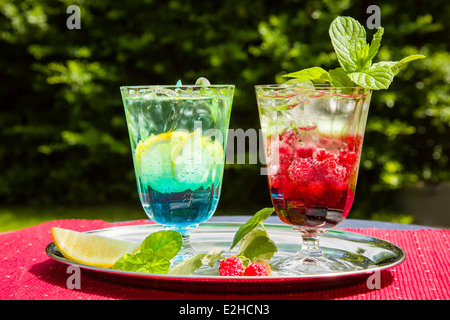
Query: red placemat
x,y
26,272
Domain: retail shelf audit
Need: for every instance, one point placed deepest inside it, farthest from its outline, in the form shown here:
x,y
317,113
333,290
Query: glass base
x,y
301,264
312,259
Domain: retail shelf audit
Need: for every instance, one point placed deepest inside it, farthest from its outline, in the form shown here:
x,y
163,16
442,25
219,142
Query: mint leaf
x,y
340,78
143,261
348,37
164,243
257,245
212,256
395,67
376,77
381,74
251,224
299,83
374,47
249,238
188,266
313,74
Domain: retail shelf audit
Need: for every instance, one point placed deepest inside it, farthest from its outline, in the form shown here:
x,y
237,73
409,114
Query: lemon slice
x,y
171,138
91,249
215,150
177,161
154,162
192,161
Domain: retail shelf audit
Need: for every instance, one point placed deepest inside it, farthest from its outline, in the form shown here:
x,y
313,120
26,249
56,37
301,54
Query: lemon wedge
x,y
91,249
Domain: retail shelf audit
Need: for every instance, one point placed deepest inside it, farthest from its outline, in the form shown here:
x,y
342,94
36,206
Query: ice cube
x,y
202,81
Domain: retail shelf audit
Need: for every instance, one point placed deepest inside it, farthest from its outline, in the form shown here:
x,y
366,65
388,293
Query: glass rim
x,y
278,91
316,87
174,86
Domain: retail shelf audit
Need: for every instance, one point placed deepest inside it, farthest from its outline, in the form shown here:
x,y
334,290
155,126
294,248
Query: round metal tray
x,y
374,255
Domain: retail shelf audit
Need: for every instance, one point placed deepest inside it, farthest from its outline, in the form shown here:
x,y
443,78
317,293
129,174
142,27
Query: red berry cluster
x,y
233,266
310,173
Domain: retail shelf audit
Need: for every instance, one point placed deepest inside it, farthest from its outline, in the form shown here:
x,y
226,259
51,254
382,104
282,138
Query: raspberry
x,y
289,137
314,192
335,195
353,143
231,266
280,155
302,170
322,154
304,152
257,269
347,159
330,170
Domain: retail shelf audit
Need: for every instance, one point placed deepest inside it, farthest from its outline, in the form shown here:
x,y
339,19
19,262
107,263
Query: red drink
x,y
312,183
313,140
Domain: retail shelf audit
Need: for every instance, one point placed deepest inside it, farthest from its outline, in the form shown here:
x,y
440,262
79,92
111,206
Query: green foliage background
x,y
63,137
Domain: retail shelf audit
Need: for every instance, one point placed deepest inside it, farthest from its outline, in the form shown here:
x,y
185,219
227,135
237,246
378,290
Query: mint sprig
x,y
355,57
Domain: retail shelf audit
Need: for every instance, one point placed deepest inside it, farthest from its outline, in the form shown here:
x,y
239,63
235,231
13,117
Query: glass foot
x,y
312,259
302,264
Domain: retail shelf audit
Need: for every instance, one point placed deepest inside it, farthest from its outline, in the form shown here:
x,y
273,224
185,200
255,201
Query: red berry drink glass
x,y
313,139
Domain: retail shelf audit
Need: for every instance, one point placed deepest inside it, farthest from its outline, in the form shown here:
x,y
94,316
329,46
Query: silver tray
x,y
374,255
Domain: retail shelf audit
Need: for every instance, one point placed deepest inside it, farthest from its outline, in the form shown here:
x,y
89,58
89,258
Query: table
x,y
26,272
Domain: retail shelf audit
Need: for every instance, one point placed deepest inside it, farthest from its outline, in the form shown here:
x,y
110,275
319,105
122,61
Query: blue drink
x,y
178,138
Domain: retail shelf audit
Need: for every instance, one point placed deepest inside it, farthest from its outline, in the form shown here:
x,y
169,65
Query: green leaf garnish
x,y
143,261
375,78
165,243
190,265
349,41
212,256
251,224
313,74
155,253
374,47
396,65
257,246
355,56
340,78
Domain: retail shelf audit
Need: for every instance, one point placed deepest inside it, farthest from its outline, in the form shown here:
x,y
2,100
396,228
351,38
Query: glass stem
x,y
186,247
311,246
185,252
